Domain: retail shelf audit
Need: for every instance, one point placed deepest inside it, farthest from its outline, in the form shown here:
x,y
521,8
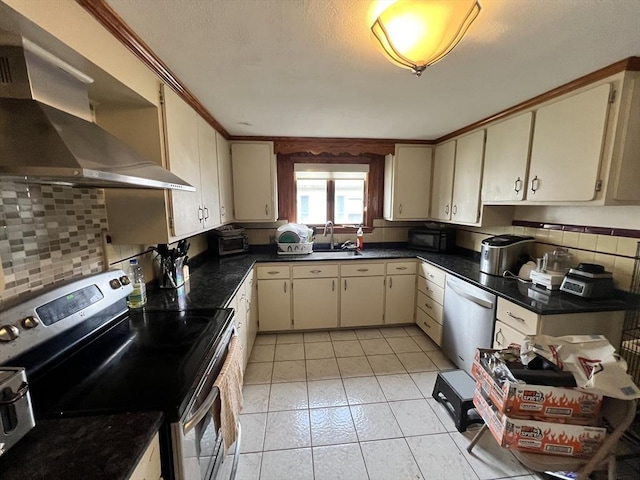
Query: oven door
x,y
197,442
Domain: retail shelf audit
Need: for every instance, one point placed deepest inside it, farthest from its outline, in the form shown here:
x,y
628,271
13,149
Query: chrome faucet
x,y
329,224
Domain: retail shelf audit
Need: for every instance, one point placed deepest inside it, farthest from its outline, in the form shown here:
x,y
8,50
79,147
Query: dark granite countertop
x,y
105,447
215,281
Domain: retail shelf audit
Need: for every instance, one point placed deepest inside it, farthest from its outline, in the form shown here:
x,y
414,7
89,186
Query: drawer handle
x,y
428,306
401,268
274,272
429,290
516,317
363,269
426,324
499,332
430,275
316,271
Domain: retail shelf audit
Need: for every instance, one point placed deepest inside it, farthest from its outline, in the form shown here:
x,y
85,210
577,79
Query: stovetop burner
x,y
88,354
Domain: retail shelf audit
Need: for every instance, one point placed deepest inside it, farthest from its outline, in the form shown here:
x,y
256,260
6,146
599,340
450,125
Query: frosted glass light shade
x,y
417,33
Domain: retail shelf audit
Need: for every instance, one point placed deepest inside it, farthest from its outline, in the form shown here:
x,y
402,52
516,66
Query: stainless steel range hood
x,y
46,132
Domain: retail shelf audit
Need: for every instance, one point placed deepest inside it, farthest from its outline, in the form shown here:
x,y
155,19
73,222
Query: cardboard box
x,y
538,402
539,437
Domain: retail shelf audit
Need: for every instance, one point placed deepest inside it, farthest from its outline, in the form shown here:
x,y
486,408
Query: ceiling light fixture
x,y
417,33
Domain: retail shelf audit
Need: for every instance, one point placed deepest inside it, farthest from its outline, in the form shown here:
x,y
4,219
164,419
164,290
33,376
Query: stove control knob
x,y
8,333
125,280
115,284
30,322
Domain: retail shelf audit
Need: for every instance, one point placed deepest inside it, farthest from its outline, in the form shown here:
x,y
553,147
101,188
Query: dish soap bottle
x,y
360,238
138,296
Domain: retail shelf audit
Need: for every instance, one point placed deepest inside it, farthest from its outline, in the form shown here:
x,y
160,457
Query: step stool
x,y
454,389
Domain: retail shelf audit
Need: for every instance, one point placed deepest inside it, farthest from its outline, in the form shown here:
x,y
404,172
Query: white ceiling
x,y
311,68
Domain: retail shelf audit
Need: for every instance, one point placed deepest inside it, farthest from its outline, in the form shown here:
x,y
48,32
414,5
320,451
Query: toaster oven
x,y
229,244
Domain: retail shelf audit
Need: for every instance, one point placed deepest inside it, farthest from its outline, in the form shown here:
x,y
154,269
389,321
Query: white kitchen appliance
x,y
551,269
588,280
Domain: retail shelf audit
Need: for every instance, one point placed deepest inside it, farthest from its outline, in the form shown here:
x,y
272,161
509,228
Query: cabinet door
x,y
567,147
467,178
181,136
253,171
410,186
400,299
506,159
442,187
224,177
274,305
240,318
361,301
252,309
208,174
315,303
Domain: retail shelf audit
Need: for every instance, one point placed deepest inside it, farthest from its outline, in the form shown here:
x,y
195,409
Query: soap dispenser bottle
x,y
360,238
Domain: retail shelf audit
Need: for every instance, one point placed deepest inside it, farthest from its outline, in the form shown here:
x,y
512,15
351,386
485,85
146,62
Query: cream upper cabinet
x,y
191,154
181,147
209,180
506,159
567,147
224,177
442,186
407,183
253,166
467,178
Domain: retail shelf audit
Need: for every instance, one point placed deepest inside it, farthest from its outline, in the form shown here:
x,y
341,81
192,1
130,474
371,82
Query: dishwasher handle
x,y
469,295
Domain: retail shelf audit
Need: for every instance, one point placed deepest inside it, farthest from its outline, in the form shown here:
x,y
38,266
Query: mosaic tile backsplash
x,y
48,234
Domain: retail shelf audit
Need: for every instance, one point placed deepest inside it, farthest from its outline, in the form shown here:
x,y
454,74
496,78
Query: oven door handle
x,y
199,414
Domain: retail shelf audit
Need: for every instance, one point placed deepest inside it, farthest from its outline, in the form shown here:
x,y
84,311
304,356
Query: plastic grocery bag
x,y
591,359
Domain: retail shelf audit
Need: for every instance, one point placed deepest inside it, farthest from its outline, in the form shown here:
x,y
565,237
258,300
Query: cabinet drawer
x,y
432,273
429,306
362,269
505,335
315,271
401,268
429,326
521,319
276,271
430,289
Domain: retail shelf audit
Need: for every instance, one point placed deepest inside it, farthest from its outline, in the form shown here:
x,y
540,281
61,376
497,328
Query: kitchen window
x,y
333,192
346,189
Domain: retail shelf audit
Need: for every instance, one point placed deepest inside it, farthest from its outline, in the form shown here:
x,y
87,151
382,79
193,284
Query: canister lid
x,y
505,240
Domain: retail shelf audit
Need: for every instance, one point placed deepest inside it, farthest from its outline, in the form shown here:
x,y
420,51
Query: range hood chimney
x,y
46,131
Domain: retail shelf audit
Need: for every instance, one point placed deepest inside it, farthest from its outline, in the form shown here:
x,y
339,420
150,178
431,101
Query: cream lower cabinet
x,y
274,298
361,294
148,467
514,322
245,319
315,296
430,300
400,292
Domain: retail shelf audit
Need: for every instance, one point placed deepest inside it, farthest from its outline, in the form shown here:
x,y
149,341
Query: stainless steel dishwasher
x,y
469,318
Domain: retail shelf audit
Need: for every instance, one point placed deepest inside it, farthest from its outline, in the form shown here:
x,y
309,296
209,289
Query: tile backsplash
x,y
618,254
48,234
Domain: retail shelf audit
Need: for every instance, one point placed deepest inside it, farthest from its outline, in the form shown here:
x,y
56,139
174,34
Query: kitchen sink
x,y
336,253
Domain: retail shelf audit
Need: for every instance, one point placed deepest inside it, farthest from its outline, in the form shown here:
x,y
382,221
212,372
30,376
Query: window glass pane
x,y
349,206
311,201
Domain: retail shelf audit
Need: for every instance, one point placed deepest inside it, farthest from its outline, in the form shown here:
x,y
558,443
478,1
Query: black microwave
x,y
441,240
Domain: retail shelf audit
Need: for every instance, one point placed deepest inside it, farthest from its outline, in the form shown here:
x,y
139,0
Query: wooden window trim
x,y
373,186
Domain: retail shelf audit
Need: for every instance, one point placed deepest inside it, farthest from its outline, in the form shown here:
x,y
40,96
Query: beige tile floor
x,y
356,405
